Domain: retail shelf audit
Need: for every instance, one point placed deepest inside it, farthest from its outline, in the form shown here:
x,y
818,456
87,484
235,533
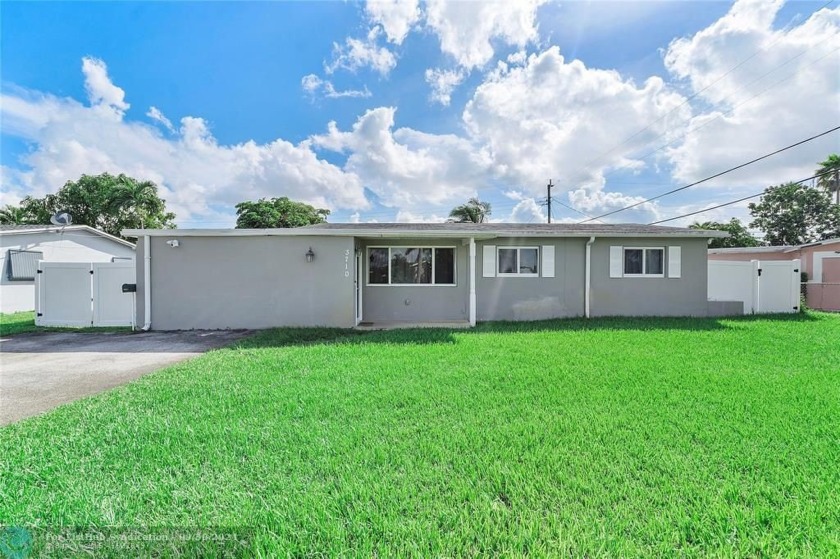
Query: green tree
x,y
12,215
136,201
793,214
739,236
829,171
101,201
474,211
270,213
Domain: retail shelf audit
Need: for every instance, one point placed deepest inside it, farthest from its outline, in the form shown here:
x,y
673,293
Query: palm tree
x,y
474,211
12,215
137,199
829,170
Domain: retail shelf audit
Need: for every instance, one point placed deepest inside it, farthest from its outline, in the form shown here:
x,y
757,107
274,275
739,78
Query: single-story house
x,y
24,245
820,261
345,274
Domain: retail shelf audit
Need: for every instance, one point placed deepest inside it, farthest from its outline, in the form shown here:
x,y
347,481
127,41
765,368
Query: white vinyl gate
x,y
766,286
84,294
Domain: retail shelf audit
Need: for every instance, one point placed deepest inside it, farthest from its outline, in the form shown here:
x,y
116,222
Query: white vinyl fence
x,y
766,286
84,294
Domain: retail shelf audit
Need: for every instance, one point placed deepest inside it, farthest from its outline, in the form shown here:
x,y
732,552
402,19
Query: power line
x,y
732,202
741,166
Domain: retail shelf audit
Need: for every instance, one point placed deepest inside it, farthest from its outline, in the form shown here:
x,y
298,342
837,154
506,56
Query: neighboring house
x,y
23,245
382,274
820,261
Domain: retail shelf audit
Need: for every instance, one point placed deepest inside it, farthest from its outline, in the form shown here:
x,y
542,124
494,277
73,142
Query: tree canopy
x,y
269,213
474,211
828,171
739,236
793,214
107,202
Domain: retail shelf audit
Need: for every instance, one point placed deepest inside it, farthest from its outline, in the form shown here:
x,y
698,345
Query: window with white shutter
x,y
674,262
488,261
548,261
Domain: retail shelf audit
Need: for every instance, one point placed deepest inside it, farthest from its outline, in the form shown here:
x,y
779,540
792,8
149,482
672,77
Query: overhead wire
x,y
716,175
745,198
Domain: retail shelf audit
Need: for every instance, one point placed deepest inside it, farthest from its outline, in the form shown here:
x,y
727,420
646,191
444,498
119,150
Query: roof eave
x,y
405,234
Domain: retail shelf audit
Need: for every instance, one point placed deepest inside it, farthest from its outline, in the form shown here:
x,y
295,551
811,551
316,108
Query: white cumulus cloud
x,y
395,16
155,114
314,85
552,118
404,167
466,30
754,105
443,83
98,85
200,178
355,54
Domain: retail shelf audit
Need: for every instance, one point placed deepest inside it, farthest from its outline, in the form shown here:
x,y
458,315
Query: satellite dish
x,y
62,219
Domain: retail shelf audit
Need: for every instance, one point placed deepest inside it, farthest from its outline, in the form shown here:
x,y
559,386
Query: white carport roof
x,y
31,229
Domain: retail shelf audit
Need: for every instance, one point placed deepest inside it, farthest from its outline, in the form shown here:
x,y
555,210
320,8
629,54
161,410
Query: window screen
x,y
378,265
528,260
633,261
444,265
23,264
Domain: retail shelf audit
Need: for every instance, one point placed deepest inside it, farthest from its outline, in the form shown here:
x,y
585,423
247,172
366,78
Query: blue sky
x,y
615,101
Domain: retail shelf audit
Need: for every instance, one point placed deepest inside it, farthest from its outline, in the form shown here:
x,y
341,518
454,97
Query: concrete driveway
x,y
43,370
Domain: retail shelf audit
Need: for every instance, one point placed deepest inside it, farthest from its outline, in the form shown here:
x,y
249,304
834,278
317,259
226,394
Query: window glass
x,y
378,265
654,261
507,261
633,261
411,265
444,265
528,258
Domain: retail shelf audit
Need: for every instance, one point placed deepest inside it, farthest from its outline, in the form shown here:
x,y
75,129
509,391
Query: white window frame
x,y
644,273
432,284
517,274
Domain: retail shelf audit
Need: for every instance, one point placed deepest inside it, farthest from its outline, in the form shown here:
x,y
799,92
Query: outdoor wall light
x,y
310,256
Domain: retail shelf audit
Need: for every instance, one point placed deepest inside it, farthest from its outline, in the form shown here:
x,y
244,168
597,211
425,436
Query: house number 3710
x,y
347,263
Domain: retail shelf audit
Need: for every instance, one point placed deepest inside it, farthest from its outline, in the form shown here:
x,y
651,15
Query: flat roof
x,y
459,230
772,249
741,250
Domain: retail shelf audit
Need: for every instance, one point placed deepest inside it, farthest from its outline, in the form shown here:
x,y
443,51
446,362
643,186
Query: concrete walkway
x,y
43,370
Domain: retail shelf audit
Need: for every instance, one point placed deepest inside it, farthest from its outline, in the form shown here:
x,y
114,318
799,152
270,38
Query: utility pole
x,y
548,199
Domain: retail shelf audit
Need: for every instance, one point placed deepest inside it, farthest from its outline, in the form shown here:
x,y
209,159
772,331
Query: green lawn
x,y
582,438
24,322
17,323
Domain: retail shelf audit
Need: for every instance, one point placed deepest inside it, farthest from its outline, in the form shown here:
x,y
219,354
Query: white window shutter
x,y
616,262
548,261
674,262
488,260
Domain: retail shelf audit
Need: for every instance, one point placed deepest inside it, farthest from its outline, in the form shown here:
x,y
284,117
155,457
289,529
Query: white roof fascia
x,y
399,234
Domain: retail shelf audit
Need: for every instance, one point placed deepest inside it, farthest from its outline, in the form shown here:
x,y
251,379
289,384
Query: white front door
x,y
359,279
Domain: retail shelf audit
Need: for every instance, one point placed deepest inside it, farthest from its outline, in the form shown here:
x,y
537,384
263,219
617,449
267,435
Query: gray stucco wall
x,y
533,298
417,303
248,282
684,296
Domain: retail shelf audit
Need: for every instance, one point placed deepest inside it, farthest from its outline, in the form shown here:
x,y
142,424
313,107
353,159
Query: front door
x,y
359,280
